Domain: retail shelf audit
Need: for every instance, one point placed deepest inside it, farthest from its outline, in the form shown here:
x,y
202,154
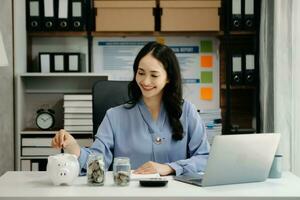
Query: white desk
x,y
30,185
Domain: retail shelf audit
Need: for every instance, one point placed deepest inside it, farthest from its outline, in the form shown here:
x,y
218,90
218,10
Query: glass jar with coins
x,y
95,169
121,171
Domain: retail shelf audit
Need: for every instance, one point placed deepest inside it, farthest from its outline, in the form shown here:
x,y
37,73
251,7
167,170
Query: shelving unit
x,y
239,103
34,90
38,90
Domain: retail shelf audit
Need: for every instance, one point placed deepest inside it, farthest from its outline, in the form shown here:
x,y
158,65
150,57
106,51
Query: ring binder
x,y
249,22
45,62
236,15
236,69
59,62
77,15
63,15
49,15
34,15
73,62
249,69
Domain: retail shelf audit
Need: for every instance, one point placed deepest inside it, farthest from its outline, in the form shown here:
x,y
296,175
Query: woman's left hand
x,y
154,167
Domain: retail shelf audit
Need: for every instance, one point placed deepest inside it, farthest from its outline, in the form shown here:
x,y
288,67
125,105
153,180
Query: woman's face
x,y
151,77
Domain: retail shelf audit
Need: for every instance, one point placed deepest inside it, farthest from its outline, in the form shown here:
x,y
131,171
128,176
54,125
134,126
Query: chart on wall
x,y
198,58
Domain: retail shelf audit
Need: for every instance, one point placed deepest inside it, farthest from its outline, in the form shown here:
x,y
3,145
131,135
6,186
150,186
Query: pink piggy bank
x,y
63,168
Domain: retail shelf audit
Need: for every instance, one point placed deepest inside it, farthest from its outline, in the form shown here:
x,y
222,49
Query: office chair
x,y
107,94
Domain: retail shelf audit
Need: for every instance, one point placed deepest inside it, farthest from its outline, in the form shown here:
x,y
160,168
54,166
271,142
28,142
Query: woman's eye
x,y
154,76
141,73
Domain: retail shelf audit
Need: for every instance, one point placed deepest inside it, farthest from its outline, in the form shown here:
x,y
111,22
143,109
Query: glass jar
x,y
121,171
95,169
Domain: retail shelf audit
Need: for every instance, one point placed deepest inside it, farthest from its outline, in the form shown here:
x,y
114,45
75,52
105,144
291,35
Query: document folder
x,y
63,15
236,70
249,17
249,69
34,15
45,62
49,15
59,62
73,62
236,15
77,15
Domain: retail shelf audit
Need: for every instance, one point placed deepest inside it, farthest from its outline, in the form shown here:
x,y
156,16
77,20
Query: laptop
x,y
237,159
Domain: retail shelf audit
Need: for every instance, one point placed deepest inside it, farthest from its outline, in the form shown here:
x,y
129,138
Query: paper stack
x,y
78,114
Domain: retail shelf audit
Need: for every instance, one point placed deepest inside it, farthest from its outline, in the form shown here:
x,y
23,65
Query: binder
x,y
63,15
59,62
249,17
45,62
236,69
236,14
77,15
89,18
249,78
49,15
34,15
73,62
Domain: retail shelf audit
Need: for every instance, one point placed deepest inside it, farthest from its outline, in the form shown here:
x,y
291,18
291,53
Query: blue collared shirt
x,y
133,133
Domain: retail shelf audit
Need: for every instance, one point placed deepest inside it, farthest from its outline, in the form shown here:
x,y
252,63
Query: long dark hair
x,y
172,94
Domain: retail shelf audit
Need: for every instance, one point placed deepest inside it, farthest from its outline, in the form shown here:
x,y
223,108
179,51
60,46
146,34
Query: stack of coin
x,y
122,178
96,172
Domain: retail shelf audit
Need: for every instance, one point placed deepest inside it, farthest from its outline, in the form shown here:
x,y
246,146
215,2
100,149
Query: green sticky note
x,y
206,46
206,77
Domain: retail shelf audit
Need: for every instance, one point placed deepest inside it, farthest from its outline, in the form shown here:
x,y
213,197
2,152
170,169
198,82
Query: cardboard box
x,y
192,15
123,15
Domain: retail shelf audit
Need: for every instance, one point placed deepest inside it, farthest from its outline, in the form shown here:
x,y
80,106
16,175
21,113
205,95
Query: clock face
x,y
45,121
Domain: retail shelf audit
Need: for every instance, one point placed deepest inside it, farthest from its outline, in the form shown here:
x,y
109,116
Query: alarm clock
x,y
45,119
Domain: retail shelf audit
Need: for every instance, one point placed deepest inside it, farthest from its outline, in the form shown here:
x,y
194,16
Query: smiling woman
x,y
156,129
151,77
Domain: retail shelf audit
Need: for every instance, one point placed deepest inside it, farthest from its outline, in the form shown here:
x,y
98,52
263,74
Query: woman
x,y
158,130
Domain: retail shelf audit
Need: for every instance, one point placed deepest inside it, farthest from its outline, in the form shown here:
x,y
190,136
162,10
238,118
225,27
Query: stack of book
x,y
213,122
78,114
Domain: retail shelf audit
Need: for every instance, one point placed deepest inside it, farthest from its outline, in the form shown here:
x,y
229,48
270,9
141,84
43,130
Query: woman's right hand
x,y
65,140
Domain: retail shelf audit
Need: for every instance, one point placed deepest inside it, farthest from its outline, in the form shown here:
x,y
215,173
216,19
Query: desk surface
x,y
29,185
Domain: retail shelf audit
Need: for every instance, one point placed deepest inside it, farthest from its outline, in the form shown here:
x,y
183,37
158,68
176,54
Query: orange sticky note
x,y
206,93
206,61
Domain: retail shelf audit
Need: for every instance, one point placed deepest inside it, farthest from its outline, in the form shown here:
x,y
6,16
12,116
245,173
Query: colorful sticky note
x,y
206,93
206,61
206,77
206,46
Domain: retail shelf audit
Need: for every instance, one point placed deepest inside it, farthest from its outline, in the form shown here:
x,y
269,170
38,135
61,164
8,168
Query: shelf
x,y
58,34
133,33
35,131
54,75
157,34
33,157
238,87
242,32
60,82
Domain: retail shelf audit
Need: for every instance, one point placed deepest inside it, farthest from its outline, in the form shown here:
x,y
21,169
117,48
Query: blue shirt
x,y
133,133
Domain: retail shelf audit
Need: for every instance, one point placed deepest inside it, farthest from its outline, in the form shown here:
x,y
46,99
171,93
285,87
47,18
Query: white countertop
x,y
29,185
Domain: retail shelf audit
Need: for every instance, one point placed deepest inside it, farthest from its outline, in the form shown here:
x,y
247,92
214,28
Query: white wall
x,y
6,91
